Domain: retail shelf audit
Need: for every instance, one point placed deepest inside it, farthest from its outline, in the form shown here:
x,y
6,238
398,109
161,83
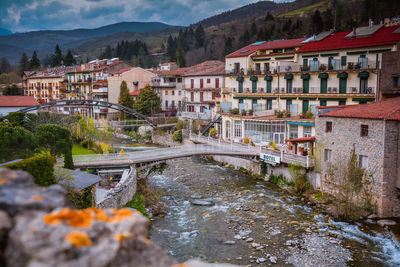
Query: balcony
x,y
163,84
103,90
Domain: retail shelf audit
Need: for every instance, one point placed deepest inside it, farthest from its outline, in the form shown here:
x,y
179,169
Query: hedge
x,y
41,167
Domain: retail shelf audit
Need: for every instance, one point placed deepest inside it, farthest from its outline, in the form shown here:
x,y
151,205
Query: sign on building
x,y
270,158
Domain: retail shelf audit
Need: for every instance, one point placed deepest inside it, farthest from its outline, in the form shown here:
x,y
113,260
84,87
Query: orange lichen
x,y
179,265
122,237
14,175
84,218
37,198
78,239
3,181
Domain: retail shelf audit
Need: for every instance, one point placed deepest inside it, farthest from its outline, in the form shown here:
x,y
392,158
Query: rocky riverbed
x,y
221,215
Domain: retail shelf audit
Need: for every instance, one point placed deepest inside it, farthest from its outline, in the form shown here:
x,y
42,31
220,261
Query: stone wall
x,y
121,194
251,165
389,203
346,133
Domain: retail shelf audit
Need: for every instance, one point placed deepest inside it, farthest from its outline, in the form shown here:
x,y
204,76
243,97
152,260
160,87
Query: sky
x,y
29,15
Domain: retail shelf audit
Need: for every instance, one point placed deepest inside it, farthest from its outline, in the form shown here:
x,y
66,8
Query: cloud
x,y
27,15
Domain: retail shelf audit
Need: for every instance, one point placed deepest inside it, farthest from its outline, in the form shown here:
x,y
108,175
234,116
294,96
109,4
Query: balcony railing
x,y
163,84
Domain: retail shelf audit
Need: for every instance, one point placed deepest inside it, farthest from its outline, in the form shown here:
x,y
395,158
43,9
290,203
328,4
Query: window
x,y
166,103
173,103
216,82
201,83
179,92
294,131
328,128
362,161
364,130
238,129
173,92
266,67
396,81
327,155
179,103
307,131
191,83
343,61
237,67
269,104
363,85
314,64
166,92
228,129
201,96
258,67
179,80
208,80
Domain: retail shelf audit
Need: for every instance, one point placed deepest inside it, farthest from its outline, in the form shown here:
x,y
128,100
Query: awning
x,y
301,140
261,59
342,75
363,74
240,79
323,75
313,55
300,123
268,78
288,76
254,78
330,55
305,76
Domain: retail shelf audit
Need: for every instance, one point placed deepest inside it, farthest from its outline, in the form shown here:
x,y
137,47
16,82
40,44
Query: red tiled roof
x,y
338,40
122,70
266,45
135,92
302,139
212,67
17,101
388,109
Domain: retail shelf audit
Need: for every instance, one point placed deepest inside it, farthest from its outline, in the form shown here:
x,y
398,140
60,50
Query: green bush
x,y
177,136
138,203
299,176
181,125
41,167
16,142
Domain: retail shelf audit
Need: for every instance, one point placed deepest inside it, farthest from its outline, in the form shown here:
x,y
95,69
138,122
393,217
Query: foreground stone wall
x,y
120,195
38,228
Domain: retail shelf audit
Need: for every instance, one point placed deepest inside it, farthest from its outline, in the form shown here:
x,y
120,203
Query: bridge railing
x,y
305,161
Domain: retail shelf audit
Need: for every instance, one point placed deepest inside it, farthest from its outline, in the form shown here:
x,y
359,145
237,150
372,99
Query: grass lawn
x,y
297,12
80,150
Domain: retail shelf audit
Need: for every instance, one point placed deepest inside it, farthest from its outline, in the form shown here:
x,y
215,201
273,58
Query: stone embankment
x,y
39,228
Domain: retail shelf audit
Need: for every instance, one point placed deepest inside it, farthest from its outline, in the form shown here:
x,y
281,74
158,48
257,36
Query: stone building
x,y
374,132
389,76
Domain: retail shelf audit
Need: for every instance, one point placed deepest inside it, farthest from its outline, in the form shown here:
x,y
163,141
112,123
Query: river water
x,y
255,223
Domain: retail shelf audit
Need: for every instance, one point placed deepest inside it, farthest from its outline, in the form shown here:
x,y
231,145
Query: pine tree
x,y
318,23
253,29
171,48
180,57
228,48
147,103
108,53
200,36
69,59
34,63
57,58
23,64
124,99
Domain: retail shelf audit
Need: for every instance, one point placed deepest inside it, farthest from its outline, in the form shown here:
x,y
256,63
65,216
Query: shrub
x,y
273,145
213,132
299,176
177,136
235,111
181,125
279,114
41,167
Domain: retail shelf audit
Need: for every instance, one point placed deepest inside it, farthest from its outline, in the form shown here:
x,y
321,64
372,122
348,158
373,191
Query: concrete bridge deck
x,y
206,146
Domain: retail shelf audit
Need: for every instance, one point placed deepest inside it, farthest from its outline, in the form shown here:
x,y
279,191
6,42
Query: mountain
x,y
45,41
5,31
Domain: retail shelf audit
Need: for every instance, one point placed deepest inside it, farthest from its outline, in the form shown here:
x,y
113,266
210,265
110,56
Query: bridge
x,y
91,104
205,146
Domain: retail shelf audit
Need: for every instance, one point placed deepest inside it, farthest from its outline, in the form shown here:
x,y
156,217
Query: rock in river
x,y
201,202
386,222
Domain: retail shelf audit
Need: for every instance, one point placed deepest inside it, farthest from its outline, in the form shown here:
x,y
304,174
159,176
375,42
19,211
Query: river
x,y
256,223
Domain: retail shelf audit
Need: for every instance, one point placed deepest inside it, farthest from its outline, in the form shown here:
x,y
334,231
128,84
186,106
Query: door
x,y
240,87
201,83
306,85
269,86
289,86
191,83
342,85
305,106
254,86
191,96
277,139
324,85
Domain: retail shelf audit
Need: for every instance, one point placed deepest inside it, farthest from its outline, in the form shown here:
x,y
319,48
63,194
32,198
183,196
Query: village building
x,y
13,103
373,131
136,78
203,85
389,75
46,85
